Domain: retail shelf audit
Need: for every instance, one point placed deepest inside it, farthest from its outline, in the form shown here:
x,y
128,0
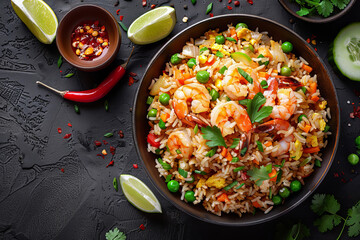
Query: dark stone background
x,y
39,201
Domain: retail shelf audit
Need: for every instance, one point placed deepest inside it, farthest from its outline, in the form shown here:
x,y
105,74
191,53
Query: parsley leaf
x,y
303,11
115,235
213,134
235,142
325,8
341,4
354,220
259,174
253,108
327,222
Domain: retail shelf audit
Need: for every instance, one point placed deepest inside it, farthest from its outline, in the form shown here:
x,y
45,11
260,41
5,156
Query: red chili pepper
x,y
131,80
228,7
135,166
67,135
100,155
117,12
59,130
110,163
237,3
151,139
144,3
250,1
142,227
112,150
97,143
211,14
62,170
105,142
121,17
132,74
69,124
95,94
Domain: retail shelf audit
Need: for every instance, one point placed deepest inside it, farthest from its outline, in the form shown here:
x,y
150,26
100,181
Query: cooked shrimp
x,y
235,86
223,113
179,143
255,87
194,94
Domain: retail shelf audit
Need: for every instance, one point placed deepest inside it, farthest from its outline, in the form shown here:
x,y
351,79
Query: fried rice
x,y
259,157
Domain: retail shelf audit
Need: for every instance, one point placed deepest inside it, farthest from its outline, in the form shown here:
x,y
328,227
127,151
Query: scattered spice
x,y
185,19
110,164
132,74
144,3
135,166
142,227
131,80
121,134
356,112
105,142
109,134
250,1
211,15
97,143
100,155
62,170
153,6
59,62
315,49
121,17
112,150
67,136
59,130
237,3
103,152
228,7
117,12
69,124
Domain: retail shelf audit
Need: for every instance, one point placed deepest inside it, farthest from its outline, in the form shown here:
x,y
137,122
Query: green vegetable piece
x,y
301,117
59,62
259,175
192,179
231,39
162,124
260,146
196,129
353,159
284,192
295,186
242,25
245,75
241,57
263,63
243,151
303,11
149,100
264,84
278,177
238,169
164,99
203,49
173,186
327,128
200,172
357,141
325,8
276,200
76,108
106,105
250,48
191,63
193,2
178,151
213,134
317,163
214,94
306,161
168,178
159,151
175,59
222,70
303,89
235,142
219,54
190,196
230,186
253,108
238,187
209,8
285,71
115,184
165,165
220,39
287,47
235,159
202,76
152,112
354,221
183,172
115,235
69,75
109,134
122,25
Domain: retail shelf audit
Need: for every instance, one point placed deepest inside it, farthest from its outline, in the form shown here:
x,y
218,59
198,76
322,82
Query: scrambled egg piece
x,y
244,33
215,181
296,155
312,140
253,41
200,183
322,124
216,47
322,105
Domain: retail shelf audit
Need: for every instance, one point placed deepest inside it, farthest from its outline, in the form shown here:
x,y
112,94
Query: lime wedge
x,y
138,194
152,26
241,57
38,17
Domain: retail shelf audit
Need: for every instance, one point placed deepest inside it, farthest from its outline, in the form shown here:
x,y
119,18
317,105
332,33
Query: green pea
x,y
285,71
287,47
190,196
149,100
191,63
152,112
353,159
164,99
301,117
162,124
243,25
175,59
284,192
276,200
295,186
203,76
214,94
357,141
173,186
220,39
192,179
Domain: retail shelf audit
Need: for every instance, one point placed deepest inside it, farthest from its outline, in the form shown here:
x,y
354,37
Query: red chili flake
x,y
250,1
237,3
59,130
142,227
356,112
164,72
342,173
352,103
67,135
69,124
131,80
112,150
105,142
308,40
97,143
144,3
316,49
62,170
132,74
336,175
153,6
229,1
135,166
60,71
343,180
211,15
121,17
100,155
228,7
121,134
117,12
110,164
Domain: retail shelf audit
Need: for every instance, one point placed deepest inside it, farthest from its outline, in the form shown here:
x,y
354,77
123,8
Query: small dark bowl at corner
x,y
80,15
174,45
292,7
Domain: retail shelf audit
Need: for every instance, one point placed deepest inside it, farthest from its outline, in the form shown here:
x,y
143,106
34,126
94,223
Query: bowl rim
x,y
266,218
321,20
109,58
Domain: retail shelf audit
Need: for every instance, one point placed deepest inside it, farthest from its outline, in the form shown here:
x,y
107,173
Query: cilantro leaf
x,y
341,4
354,220
327,222
213,134
259,175
235,142
303,11
286,231
245,102
325,8
253,108
324,203
115,235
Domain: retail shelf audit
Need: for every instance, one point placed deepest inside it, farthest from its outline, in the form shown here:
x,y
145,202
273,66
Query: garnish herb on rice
x,y
259,174
213,134
211,152
243,151
256,113
235,142
222,70
260,146
196,128
239,169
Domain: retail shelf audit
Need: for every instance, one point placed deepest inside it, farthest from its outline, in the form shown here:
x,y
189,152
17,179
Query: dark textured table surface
x,y
40,201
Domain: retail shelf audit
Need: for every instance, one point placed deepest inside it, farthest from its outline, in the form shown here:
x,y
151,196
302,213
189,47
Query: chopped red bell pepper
x,y
151,139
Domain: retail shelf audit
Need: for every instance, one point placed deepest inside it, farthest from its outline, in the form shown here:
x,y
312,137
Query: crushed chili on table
x,y
67,135
228,7
153,6
62,170
356,112
69,124
144,3
112,150
105,142
131,80
100,155
229,1
250,1
97,143
121,17
132,74
142,227
110,164
59,130
135,166
117,12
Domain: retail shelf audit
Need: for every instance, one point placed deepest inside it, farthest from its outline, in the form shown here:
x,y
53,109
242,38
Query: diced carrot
x,y
233,33
256,204
223,151
273,175
311,150
264,75
179,76
228,156
306,68
256,161
223,197
313,87
307,128
268,143
315,98
164,116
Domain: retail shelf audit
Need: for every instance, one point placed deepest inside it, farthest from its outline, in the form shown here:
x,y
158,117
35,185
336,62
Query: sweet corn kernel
x,y
244,33
104,44
218,84
202,59
216,47
312,140
95,33
322,124
224,52
296,155
253,41
323,104
78,52
89,51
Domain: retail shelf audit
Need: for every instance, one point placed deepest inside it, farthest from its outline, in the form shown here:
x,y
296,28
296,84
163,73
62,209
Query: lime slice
x,y
138,194
38,17
152,26
241,57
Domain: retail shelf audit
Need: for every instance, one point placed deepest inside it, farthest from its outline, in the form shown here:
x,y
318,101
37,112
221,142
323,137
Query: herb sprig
x,y
259,175
323,7
256,113
115,235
